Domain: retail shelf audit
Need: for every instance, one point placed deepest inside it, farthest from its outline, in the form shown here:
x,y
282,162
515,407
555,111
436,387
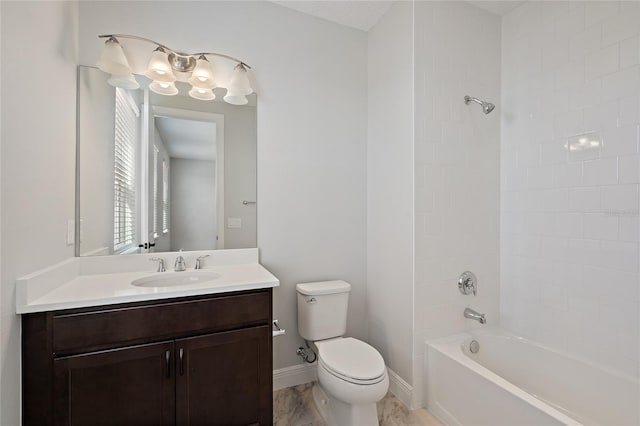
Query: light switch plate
x,y
71,232
234,222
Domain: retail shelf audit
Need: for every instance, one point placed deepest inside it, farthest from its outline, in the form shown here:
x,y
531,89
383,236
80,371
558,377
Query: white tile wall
x,y
457,148
569,230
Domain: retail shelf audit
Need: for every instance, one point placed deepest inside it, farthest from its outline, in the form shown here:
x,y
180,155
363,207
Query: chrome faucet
x,y
161,265
199,261
180,265
471,314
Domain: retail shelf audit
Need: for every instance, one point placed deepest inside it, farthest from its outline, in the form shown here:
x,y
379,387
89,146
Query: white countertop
x,y
58,290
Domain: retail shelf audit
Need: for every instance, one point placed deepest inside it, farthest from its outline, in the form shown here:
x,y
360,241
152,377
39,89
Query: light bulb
x,y
159,68
202,75
164,88
236,100
127,81
202,94
239,84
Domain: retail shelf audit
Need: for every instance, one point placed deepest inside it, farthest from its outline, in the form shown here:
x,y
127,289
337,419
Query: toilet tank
x,y
322,309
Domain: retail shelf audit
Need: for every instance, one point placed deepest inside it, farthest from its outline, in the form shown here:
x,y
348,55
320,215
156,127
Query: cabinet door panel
x,y
128,386
225,378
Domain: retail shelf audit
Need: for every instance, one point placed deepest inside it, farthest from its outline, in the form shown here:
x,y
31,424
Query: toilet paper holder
x,y
277,330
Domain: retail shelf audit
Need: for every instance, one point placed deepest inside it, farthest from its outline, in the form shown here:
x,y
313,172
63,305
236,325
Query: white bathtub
x,y
513,381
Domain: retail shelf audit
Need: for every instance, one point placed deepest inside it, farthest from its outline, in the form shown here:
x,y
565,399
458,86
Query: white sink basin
x,y
175,279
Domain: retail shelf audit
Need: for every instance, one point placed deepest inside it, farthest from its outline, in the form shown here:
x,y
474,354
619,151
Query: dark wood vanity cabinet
x,y
194,361
122,386
220,379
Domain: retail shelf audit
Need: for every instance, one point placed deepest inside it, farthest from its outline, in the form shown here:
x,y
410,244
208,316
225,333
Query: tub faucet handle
x,y
468,283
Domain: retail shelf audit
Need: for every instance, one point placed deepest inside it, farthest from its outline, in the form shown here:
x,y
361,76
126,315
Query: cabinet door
x,y
225,378
128,386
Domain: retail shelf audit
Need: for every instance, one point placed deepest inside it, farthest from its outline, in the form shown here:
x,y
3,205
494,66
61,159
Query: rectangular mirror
x,y
162,173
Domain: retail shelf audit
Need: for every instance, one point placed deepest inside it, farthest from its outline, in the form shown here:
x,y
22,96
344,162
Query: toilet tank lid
x,y
323,287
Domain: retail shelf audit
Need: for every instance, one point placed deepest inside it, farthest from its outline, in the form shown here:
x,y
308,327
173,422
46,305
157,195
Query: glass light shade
x,y
164,88
239,84
159,68
236,100
127,81
202,94
112,59
202,75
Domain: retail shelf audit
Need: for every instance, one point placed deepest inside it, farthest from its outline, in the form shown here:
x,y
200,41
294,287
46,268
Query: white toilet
x,y
352,375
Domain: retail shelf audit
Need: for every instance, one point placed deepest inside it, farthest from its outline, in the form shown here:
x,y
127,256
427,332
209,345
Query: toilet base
x,y
321,401
337,413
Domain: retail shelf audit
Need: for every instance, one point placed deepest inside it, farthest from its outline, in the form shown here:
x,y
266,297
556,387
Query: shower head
x,y
487,107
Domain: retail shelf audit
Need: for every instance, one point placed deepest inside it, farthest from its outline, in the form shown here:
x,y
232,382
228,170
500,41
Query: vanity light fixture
x,y
127,81
159,68
239,86
163,88
202,94
166,66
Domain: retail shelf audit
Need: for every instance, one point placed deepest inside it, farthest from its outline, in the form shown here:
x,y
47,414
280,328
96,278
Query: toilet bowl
x,y
352,375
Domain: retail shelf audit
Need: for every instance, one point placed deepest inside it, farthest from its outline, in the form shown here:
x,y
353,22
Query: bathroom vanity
x,y
105,339
197,354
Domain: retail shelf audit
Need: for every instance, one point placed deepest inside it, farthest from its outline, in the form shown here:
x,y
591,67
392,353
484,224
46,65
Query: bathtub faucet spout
x,y
471,314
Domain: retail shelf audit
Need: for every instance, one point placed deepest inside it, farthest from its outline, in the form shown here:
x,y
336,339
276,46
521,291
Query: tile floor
x,y
294,407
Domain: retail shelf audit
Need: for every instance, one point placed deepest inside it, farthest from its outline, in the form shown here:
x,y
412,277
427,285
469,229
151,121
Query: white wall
x,y
457,159
432,177
38,160
193,204
311,84
390,188
570,217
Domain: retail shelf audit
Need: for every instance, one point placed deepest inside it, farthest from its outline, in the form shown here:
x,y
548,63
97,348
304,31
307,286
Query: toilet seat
x,y
351,360
350,379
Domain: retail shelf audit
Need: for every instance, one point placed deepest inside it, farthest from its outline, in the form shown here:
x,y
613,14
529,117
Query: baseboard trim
x,y
294,375
305,373
400,388
443,416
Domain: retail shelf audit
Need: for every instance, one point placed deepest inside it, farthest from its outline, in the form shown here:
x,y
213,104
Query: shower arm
x,y
487,107
468,99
